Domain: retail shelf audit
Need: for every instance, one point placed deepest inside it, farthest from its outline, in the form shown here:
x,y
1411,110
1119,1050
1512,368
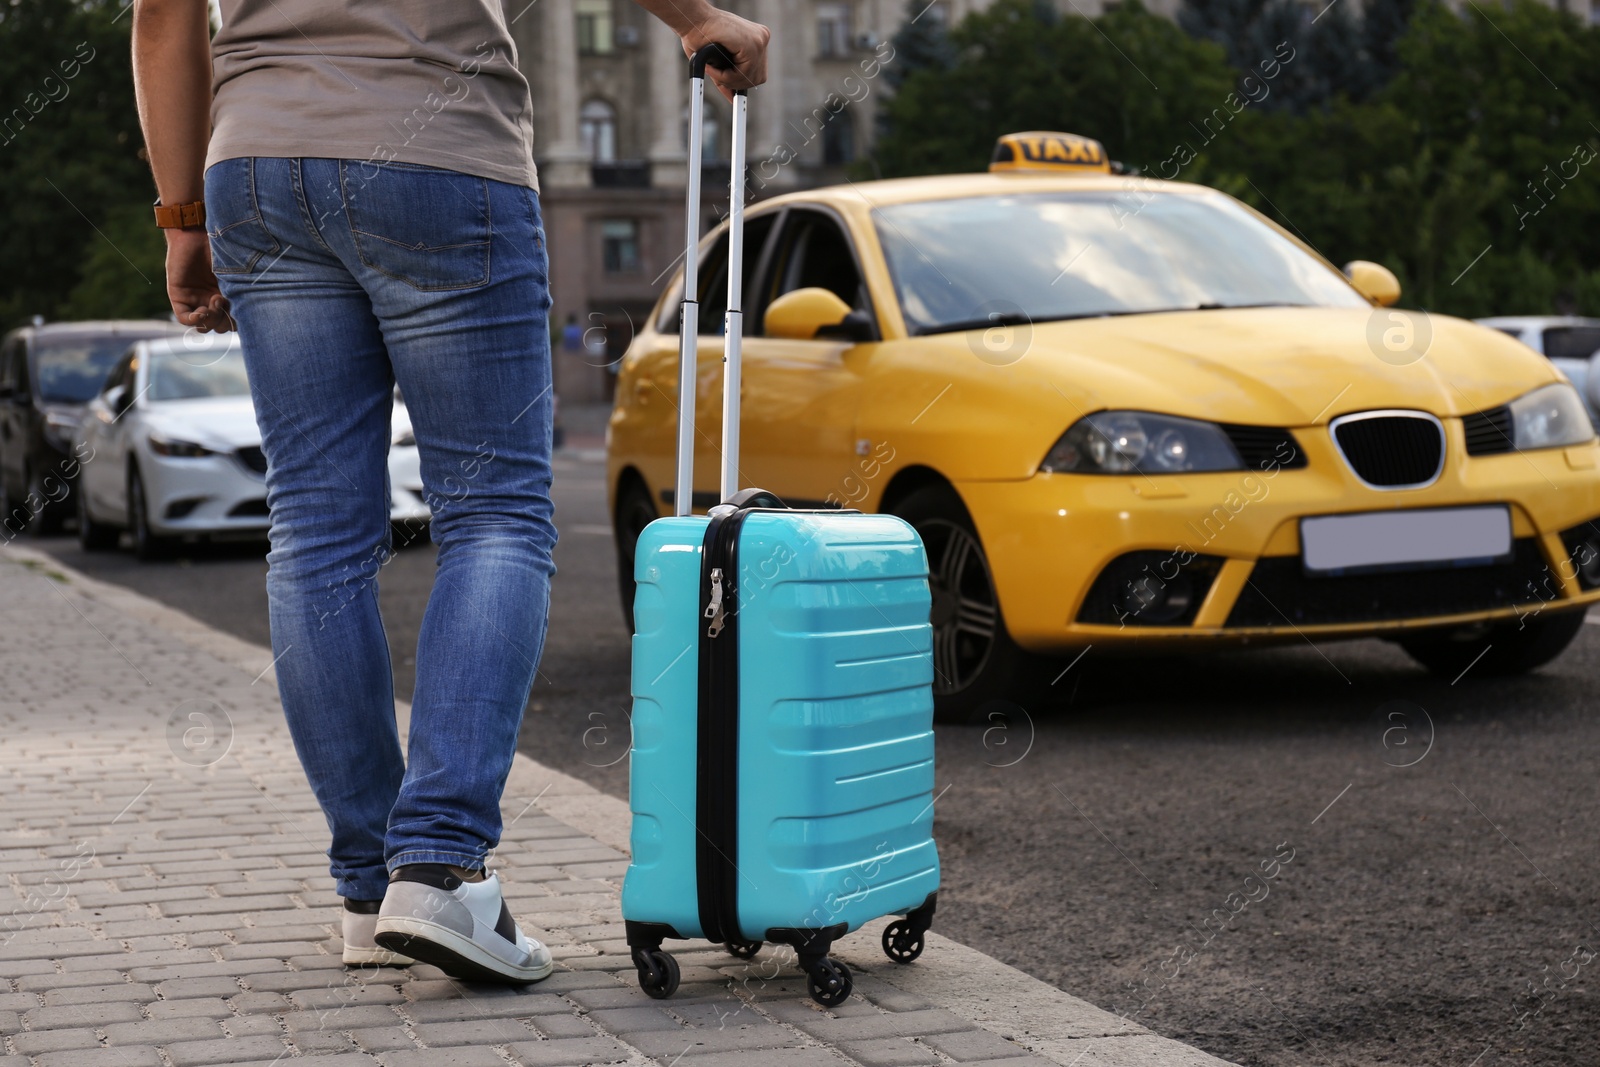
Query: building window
x,y
1594,12
596,27
597,126
619,246
839,140
833,30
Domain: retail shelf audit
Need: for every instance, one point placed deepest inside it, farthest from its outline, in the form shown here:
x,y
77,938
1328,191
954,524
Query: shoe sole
x,y
457,956
382,957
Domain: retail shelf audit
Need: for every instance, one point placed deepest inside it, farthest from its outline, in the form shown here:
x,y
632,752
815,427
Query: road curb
x,y
993,995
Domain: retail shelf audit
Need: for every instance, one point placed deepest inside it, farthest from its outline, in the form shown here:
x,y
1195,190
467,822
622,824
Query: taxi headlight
x,y
1138,442
1549,417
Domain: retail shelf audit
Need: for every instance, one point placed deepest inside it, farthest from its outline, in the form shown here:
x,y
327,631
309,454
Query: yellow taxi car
x,y
1123,411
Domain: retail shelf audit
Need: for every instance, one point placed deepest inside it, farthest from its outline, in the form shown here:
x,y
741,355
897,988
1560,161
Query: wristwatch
x,y
181,216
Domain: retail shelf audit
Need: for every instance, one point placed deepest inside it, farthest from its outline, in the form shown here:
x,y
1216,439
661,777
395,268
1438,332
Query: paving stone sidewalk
x,y
169,902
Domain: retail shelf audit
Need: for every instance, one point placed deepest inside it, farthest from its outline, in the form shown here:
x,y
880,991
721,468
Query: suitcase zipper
x,y
714,608
717,792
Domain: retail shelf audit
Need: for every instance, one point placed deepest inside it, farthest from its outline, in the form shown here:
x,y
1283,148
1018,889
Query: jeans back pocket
x,y
239,239
424,226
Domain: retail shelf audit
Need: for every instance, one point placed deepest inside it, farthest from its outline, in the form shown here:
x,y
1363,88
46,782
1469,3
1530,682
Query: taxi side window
x,y
812,252
714,280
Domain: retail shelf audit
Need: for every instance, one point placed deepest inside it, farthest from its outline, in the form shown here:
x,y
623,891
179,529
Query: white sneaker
x,y
463,928
360,923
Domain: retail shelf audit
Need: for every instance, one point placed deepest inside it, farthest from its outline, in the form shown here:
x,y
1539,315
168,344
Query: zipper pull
x,y
714,609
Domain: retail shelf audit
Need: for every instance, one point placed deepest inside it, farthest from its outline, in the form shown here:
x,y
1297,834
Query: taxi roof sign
x,y
1046,150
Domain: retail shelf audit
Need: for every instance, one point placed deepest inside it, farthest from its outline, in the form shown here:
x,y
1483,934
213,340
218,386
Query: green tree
x,y
70,160
921,43
1129,78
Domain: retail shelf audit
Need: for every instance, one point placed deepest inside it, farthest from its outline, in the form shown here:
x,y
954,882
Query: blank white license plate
x,y
1379,540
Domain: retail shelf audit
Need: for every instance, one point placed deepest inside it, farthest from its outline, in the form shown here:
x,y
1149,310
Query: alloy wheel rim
x,y
966,617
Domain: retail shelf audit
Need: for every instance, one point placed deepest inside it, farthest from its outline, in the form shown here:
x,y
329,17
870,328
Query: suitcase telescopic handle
x,y
718,58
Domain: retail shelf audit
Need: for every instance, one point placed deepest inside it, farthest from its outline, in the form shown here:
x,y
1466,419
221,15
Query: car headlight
x,y
1138,442
1549,417
171,446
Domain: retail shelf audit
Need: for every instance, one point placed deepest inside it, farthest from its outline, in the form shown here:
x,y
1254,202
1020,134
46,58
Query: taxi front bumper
x,y
1063,549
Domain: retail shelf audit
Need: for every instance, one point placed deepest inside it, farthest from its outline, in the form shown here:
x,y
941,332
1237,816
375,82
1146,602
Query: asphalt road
x,y
1427,876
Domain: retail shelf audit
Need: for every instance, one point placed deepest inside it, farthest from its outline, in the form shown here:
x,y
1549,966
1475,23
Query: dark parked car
x,y
47,374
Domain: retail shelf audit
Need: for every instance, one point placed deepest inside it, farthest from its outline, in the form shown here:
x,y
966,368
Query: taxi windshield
x,y
980,261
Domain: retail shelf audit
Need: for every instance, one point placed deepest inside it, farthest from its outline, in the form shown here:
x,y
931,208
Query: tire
x,y
1512,647
147,545
46,519
8,505
975,661
94,536
635,511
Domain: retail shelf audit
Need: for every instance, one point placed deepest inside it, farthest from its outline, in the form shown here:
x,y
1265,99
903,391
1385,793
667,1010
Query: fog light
x,y
1149,588
1155,601
1582,543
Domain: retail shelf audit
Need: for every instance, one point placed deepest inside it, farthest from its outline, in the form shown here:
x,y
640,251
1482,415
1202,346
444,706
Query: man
x,y
373,218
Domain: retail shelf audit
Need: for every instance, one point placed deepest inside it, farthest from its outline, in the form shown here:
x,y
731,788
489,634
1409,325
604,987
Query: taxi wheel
x,y
974,659
1512,647
635,511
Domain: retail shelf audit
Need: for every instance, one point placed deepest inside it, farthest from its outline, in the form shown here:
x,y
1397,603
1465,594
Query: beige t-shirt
x,y
433,82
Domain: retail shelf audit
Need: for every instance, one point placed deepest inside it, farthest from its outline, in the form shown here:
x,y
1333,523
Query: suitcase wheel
x,y
658,972
902,941
829,981
745,950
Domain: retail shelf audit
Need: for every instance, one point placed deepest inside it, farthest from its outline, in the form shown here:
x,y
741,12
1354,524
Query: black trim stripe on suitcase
x,y
717,789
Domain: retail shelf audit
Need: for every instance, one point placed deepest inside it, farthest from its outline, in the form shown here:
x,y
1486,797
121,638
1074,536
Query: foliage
x,y
1129,75
70,163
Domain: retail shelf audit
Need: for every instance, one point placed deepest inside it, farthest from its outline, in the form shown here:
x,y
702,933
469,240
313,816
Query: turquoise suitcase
x,y
782,765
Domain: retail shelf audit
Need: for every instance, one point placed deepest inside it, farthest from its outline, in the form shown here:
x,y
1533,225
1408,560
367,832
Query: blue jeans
x,y
346,278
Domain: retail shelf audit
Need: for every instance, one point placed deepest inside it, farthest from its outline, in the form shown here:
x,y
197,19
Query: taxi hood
x,y
1279,366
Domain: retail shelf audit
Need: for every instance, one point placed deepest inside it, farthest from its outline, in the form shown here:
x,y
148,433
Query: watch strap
x,y
181,216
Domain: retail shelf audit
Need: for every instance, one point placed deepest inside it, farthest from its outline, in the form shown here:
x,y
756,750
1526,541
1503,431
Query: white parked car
x,y
170,449
1570,342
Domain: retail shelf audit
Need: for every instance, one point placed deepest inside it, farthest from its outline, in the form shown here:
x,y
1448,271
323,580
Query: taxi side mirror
x,y
804,314
1374,281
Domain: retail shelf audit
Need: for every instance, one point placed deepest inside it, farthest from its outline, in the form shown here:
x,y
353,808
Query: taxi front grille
x,y
1280,593
1396,451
